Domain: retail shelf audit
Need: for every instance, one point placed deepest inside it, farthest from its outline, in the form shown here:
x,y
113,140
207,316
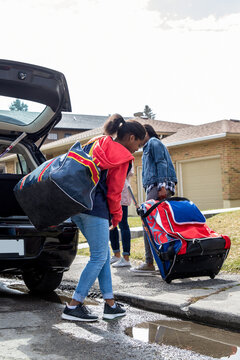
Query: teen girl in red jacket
x,y
114,157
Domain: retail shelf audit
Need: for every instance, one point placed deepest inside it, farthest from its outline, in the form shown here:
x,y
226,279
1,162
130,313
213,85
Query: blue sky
x,y
180,57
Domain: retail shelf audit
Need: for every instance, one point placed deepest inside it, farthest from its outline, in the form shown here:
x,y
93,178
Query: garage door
x,y
202,183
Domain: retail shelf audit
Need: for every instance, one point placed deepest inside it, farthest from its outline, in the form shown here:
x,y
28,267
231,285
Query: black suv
x,y
40,256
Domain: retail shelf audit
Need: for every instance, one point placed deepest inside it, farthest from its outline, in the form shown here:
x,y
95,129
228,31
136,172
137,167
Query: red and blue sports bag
x,y
182,243
59,188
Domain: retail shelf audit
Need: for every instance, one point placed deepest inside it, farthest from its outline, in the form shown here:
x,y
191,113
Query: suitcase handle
x,y
176,198
139,211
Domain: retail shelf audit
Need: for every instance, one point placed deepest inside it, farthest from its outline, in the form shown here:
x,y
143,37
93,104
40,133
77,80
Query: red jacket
x,y
109,154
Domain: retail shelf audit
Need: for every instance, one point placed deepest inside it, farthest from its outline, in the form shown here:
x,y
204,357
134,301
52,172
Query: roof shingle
x,y
195,132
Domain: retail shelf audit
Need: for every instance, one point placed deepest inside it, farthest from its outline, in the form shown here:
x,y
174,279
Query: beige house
x,y
207,161
206,158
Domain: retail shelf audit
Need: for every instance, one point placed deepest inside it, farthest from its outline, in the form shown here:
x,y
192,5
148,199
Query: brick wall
x,y
231,168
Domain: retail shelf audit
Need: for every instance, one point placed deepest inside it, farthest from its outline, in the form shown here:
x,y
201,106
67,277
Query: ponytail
x,y
112,124
150,131
117,125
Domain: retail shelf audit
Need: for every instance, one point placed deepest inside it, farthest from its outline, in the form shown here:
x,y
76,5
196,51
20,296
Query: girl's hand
x,y
162,194
111,227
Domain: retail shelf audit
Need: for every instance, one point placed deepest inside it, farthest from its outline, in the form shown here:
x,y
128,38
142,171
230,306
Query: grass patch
x,y
225,223
81,238
134,221
229,224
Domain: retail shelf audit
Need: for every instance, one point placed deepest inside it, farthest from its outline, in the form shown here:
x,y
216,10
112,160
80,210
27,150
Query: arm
x,y
129,175
115,182
157,150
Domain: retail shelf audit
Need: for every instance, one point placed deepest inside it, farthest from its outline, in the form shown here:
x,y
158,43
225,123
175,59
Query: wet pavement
x,y
210,301
31,328
163,322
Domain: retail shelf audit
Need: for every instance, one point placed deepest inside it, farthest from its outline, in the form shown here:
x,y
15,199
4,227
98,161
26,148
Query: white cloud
x,y
116,58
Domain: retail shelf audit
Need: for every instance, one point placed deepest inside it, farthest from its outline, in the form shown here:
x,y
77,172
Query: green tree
x,y
17,105
148,112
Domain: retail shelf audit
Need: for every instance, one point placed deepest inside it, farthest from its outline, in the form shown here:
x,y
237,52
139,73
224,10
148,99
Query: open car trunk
x,y
32,99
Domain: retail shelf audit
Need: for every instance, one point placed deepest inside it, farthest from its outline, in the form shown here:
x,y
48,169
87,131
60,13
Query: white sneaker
x,y
114,259
122,262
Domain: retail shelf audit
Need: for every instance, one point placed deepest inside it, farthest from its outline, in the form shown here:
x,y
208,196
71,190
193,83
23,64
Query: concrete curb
x,y
209,301
209,308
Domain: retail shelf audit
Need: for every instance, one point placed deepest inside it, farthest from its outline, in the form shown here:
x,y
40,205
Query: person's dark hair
x,y
151,132
115,124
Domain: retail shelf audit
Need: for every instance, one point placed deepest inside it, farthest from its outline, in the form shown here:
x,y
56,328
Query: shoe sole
x,y
116,266
73,318
112,316
147,272
144,271
114,261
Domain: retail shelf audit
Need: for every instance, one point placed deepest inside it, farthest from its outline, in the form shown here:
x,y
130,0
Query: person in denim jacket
x,y
159,180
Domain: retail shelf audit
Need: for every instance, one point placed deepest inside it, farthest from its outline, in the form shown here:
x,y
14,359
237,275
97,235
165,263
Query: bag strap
x,y
88,149
174,198
148,212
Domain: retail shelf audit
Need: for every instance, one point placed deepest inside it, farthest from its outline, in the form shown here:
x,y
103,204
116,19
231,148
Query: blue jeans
x,y
125,234
96,231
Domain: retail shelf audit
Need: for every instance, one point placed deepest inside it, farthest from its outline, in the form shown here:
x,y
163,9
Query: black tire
x,y
40,281
168,281
212,276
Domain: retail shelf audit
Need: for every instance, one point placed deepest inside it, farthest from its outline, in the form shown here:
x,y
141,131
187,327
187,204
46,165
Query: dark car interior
x,y
9,205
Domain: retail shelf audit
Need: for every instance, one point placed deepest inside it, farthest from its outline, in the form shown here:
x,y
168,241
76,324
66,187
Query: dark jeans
x,y
125,234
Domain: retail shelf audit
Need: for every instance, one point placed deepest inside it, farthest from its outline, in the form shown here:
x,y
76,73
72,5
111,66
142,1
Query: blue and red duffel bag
x,y
58,188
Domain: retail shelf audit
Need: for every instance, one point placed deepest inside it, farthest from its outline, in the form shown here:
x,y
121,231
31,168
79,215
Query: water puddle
x,y
204,340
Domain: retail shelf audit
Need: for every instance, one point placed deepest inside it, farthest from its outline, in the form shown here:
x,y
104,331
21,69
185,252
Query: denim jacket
x,y
157,164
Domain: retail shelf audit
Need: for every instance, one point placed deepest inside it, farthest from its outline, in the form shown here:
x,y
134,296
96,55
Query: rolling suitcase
x,y
182,244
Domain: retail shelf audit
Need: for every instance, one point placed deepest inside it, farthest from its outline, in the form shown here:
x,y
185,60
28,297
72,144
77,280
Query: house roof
x,y
209,131
68,121
163,127
88,122
79,121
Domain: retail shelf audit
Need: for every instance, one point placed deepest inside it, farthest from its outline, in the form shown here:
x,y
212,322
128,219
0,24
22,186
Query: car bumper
x,y
24,247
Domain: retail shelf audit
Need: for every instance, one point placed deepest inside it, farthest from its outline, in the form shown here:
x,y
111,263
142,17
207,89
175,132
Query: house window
x,y
67,135
52,136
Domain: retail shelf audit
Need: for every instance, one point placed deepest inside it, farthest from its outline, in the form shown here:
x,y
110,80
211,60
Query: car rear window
x,y
18,111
